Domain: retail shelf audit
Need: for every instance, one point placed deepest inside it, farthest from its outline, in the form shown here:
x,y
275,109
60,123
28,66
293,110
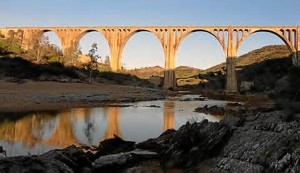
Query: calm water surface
x,y
37,133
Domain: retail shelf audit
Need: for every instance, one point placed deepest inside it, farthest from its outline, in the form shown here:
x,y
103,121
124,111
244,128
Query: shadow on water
x,y
38,132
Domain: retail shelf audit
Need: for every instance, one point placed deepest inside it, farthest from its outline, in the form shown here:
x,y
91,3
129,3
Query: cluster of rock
x,y
213,110
265,142
194,99
111,155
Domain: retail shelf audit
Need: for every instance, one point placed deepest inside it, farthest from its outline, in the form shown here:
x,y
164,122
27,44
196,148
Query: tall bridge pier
x,y
170,37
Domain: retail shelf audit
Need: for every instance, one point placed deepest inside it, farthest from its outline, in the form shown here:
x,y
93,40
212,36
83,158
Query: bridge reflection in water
x,y
82,126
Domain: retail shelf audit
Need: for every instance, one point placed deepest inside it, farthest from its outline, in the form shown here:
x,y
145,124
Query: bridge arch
x,y
136,34
274,32
84,33
205,31
132,33
90,36
42,32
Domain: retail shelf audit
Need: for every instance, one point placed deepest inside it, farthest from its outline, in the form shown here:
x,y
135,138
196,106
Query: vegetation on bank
x,y
8,46
42,51
18,69
46,64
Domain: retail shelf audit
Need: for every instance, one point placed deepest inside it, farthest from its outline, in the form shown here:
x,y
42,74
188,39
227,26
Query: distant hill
x,y
256,56
146,72
186,71
180,72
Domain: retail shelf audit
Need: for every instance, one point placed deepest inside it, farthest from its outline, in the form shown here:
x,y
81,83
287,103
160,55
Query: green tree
x,y
93,60
43,51
9,46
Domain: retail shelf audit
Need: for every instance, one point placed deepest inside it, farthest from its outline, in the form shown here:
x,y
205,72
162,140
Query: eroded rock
x,y
157,144
195,142
113,146
119,161
266,142
72,156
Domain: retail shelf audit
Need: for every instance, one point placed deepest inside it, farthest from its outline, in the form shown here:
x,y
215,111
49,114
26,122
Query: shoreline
x,y
41,96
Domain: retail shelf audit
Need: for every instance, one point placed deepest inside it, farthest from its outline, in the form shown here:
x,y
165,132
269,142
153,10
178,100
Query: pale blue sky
x,y
198,50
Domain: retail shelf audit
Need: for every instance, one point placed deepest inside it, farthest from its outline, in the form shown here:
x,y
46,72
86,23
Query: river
x,y
38,132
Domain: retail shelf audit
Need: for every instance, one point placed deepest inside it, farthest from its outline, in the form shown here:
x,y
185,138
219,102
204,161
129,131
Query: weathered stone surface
x,y
115,162
71,156
226,165
264,143
157,144
24,164
68,160
195,142
113,146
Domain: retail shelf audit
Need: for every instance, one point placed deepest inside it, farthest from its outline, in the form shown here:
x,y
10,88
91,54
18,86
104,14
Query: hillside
x,y
268,70
146,72
180,72
185,72
256,56
18,69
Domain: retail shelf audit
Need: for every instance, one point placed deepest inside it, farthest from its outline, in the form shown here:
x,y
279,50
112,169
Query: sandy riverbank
x,y
35,96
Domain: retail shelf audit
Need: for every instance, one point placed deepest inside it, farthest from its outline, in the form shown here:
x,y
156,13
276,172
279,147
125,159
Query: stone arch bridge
x,y
170,37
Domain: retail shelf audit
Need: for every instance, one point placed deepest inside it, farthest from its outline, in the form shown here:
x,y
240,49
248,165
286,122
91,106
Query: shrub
x,y
8,46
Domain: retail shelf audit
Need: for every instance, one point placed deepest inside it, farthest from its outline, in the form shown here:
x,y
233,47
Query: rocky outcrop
x,y
120,161
158,144
266,142
195,142
113,146
69,160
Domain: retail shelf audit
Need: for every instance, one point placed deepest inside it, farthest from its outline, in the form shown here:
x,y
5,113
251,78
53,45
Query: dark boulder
x,y
71,156
69,160
113,146
24,164
117,162
195,142
157,144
